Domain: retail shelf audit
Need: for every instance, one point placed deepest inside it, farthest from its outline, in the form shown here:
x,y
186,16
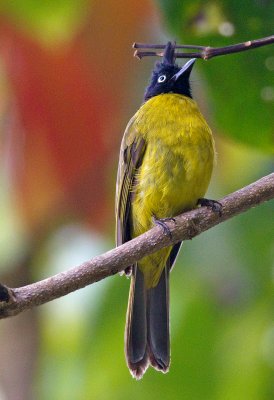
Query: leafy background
x,y
68,86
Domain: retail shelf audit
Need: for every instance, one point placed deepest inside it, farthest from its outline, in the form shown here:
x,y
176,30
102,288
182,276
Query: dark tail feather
x,y
147,327
158,323
136,326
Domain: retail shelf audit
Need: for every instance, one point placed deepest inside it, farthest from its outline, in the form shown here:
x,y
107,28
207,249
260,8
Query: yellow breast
x,y
178,161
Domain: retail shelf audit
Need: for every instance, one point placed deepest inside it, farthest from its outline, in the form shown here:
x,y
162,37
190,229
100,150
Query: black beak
x,y
185,70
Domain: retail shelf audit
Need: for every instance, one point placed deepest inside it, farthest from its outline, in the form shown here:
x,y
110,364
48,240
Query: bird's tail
x,y
147,327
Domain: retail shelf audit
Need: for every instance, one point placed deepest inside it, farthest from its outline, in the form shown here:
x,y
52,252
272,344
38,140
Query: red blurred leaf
x,y
69,102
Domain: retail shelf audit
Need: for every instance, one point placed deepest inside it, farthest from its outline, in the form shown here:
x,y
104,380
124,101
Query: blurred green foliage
x,y
51,21
222,323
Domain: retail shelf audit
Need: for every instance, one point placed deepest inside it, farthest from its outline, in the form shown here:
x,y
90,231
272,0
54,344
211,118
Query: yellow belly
x,y
175,171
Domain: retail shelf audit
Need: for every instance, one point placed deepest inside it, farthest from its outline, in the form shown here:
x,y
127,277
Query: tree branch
x,y
204,52
185,227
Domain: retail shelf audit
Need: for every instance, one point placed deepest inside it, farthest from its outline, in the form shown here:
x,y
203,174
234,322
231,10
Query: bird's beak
x,y
186,69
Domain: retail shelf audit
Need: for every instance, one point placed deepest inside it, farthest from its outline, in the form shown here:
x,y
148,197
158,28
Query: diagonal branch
x,y
204,52
185,227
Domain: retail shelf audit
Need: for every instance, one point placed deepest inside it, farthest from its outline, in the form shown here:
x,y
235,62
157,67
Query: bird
x,y
165,164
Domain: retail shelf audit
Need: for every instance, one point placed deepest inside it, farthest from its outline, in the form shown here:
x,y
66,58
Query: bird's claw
x,y
162,223
215,205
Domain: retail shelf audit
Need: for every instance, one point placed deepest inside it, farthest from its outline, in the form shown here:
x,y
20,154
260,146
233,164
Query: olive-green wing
x,y
131,156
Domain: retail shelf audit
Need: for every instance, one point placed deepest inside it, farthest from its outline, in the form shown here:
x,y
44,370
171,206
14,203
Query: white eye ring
x,y
161,79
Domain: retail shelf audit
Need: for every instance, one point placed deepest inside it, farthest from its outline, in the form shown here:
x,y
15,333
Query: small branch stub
x,y
6,294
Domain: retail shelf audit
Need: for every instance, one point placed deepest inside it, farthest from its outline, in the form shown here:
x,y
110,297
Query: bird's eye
x,y
161,78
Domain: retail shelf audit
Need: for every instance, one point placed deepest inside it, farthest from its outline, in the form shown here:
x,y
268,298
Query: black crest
x,y
163,79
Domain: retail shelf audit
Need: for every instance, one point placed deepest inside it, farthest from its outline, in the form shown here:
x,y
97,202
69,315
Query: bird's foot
x,y
215,205
162,223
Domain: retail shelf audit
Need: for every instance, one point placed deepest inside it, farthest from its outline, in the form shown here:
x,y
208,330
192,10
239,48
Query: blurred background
x,y
68,86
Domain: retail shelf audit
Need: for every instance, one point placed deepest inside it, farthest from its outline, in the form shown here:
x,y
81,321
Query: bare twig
x,y
205,52
186,226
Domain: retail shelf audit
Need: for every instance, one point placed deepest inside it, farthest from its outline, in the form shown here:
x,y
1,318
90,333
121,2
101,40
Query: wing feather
x,y
131,156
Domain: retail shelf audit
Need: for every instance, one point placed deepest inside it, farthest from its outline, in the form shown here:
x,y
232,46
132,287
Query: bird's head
x,y
168,77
